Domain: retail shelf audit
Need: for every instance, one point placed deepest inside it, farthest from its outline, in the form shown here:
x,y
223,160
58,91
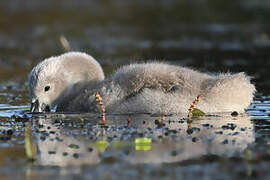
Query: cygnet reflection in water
x,y
71,80
65,145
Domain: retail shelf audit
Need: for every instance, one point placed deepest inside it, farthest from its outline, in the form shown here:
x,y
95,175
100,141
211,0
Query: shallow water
x,y
78,145
207,35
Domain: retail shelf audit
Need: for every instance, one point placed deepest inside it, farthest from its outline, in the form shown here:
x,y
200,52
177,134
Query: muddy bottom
x,y
136,146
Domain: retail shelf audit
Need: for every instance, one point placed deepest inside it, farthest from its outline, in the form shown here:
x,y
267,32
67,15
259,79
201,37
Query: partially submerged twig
x,y
29,145
99,99
190,110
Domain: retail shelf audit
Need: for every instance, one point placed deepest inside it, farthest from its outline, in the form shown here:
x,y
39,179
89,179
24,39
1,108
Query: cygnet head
x,y
54,79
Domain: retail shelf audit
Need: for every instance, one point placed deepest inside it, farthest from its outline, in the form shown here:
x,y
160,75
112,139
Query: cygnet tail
x,y
231,92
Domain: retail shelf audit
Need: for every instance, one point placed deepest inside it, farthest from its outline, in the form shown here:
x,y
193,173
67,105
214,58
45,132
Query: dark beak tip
x,y
34,106
47,108
37,107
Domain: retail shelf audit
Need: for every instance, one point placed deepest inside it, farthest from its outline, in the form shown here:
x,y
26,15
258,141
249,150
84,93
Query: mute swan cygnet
x,y
70,81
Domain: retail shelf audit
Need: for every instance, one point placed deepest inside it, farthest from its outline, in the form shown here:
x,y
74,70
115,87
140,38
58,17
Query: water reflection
x,y
76,140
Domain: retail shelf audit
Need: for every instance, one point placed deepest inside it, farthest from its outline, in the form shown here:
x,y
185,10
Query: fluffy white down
x,y
153,88
220,93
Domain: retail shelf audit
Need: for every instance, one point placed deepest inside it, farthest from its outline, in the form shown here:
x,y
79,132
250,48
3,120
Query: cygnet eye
x,y
47,88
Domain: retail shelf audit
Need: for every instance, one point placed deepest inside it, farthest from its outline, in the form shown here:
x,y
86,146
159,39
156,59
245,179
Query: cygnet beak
x,y
36,106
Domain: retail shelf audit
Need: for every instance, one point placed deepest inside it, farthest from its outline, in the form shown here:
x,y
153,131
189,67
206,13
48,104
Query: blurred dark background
x,y
209,35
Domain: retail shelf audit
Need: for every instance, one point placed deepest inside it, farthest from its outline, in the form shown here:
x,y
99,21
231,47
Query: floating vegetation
x,y
192,111
30,147
101,145
99,100
143,141
197,112
143,144
140,147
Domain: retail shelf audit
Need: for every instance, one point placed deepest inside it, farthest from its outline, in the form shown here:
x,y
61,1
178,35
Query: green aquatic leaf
x,y
143,148
143,144
197,112
30,147
143,141
101,145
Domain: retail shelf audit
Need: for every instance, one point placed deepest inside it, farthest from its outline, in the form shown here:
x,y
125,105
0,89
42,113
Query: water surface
x,y
215,36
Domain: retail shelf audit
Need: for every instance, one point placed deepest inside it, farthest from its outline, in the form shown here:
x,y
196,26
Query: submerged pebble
x,y
174,153
225,141
51,152
74,146
234,113
76,155
229,126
